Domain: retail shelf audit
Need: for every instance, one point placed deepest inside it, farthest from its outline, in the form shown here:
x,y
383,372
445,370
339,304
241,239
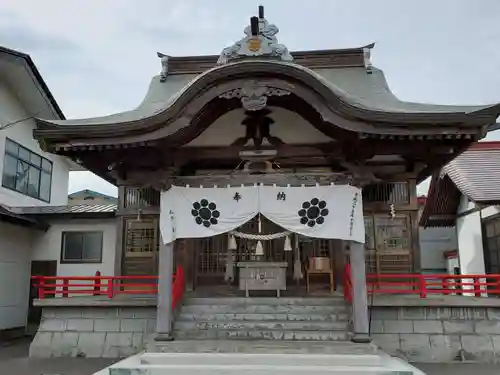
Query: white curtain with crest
x,y
330,212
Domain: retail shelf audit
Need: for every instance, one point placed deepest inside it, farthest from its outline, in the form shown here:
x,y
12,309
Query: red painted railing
x,y
178,287
425,284
110,286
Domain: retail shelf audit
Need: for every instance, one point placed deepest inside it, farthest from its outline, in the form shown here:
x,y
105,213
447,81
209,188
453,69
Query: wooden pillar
x,y
359,293
120,233
189,263
416,266
119,248
164,305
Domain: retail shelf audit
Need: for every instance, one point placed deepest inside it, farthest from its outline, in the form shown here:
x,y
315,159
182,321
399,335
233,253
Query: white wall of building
x,y
15,270
19,246
11,111
451,264
470,240
433,243
47,246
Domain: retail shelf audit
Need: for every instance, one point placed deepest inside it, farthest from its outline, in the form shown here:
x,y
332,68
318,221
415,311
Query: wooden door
x,y
393,246
210,259
141,246
39,268
491,248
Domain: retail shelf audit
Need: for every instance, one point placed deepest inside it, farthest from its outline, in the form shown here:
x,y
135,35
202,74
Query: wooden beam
x,y
442,217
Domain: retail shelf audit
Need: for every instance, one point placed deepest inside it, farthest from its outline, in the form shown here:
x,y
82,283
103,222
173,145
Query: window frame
x,y
31,165
62,259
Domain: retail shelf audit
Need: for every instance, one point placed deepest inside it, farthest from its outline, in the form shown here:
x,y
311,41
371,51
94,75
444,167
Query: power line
x,y
8,125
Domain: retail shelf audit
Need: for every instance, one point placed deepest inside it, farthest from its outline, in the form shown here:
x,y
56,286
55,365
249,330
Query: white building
x,y
36,225
436,243
466,195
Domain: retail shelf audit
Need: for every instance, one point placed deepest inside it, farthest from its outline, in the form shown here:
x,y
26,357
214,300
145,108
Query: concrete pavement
x,y
14,360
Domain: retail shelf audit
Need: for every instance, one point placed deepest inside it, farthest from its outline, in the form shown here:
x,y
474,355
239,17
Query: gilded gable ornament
x,y
259,41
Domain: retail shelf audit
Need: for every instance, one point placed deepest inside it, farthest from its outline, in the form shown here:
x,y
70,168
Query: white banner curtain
x,y
330,212
187,212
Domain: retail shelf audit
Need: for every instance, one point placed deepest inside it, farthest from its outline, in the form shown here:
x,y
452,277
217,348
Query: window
x,y
81,247
26,172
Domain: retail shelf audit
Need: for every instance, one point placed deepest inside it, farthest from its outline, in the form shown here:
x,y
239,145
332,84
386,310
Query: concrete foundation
x,y
441,329
100,330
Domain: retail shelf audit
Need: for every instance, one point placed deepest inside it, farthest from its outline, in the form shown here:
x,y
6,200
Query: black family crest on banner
x,y
313,212
205,213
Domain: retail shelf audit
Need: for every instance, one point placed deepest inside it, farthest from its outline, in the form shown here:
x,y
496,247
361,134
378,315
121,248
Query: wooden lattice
x,y
141,246
388,244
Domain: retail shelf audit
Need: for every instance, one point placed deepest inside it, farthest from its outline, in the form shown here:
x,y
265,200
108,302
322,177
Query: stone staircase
x,y
304,319
261,336
260,364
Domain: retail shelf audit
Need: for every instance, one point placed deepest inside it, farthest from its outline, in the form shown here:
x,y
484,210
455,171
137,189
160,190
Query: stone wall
x,y
438,334
104,331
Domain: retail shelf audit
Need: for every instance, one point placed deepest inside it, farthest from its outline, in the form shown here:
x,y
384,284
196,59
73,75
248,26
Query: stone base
x,y
438,334
261,347
361,338
93,332
164,337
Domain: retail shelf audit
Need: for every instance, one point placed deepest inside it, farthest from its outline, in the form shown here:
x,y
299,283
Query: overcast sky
x,y
98,56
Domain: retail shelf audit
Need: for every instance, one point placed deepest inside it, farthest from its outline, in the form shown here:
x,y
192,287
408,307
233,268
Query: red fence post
x,y
497,285
64,288
41,287
422,286
477,287
97,283
111,288
446,287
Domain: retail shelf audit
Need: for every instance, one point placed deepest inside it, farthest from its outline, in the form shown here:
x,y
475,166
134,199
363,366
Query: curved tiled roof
x,y
475,173
352,85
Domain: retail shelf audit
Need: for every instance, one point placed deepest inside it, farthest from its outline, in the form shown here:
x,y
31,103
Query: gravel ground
x,y
14,360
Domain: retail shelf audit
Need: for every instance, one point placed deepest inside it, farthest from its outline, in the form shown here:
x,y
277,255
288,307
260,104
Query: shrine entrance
x,y
209,266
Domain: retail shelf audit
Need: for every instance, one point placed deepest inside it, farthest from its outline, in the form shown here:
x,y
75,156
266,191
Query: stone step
x,y
273,301
268,359
262,325
259,364
263,347
256,370
262,309
186,316
261,334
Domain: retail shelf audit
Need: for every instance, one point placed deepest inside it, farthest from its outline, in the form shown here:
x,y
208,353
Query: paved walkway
x,y
14,360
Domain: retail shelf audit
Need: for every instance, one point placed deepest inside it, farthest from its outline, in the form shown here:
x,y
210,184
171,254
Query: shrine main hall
x,y
264,171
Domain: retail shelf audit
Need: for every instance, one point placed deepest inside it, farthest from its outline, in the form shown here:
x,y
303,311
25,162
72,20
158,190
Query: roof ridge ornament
x,y
164,66
259,41
367,59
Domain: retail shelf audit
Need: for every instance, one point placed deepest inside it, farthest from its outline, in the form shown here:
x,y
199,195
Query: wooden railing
x,y
138,197
109,286
425,285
